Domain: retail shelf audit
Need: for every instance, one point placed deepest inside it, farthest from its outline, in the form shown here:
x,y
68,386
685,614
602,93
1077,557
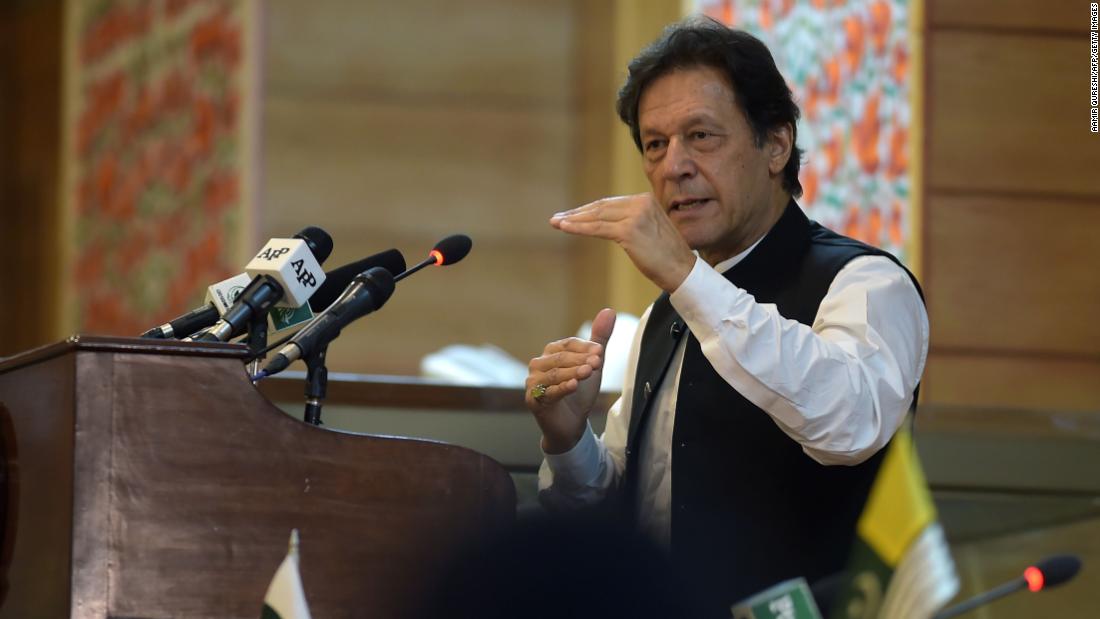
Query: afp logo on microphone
x,y
291,263
305,277
272,253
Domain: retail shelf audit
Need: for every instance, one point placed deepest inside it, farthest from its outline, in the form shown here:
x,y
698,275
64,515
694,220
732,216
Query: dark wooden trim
x,y
374,390
31,79
1090,199
1014,353
940,489
395,391
1015,31
1069,425
125,345
378,391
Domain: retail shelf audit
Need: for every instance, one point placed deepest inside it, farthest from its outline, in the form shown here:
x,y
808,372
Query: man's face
x,y
720,190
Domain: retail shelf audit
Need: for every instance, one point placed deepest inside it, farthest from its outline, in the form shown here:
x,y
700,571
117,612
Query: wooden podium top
x,y
98,343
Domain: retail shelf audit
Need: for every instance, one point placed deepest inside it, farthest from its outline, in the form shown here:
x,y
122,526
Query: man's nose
x,y
678,163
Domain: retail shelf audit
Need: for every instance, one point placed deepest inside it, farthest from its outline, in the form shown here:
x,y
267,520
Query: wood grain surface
x,y
172,486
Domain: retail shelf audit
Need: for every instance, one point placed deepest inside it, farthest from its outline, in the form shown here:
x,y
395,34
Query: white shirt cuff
x,y
694,299
580,465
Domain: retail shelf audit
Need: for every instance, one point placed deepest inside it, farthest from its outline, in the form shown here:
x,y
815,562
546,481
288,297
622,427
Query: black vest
x,y
749,508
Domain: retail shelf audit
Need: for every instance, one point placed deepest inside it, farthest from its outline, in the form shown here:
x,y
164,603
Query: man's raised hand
x,y
641,227
568,373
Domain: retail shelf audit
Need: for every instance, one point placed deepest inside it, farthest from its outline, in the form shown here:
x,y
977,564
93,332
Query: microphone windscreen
x,y
1059,569
318,241
339,278
381,284
453,248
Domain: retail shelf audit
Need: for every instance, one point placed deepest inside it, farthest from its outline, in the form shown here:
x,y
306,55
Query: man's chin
x,y
696,235
708,247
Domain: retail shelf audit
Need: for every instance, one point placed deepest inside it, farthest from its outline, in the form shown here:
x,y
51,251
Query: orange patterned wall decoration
x,y
849,64
157,156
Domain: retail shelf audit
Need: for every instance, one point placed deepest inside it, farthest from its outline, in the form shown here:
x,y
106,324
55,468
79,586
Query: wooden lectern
x,y
149,479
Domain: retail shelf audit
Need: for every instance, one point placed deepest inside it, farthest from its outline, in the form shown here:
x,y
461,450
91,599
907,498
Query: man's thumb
x,y
602,325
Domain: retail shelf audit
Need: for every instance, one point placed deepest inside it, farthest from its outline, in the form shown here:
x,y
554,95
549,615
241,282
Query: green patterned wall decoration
x,y
851,67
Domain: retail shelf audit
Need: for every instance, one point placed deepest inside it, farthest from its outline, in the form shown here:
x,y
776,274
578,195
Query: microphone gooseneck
x,y
1050,572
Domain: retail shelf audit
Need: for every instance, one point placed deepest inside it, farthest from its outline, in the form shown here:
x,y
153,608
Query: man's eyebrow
x,y
687,121
699,117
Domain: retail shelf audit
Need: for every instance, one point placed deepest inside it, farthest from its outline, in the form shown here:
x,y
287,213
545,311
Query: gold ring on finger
x,y
538,392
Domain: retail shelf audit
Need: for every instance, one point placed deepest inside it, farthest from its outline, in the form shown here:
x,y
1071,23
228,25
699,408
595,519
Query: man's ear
x,y
779,144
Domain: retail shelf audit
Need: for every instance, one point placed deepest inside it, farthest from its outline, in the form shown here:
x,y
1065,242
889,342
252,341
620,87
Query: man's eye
x,y
699,135
653,145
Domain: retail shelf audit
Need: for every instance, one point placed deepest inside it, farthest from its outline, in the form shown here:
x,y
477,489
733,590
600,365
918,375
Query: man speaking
x,y
779,361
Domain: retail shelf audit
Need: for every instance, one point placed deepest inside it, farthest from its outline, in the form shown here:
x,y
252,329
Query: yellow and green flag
x,y
900,566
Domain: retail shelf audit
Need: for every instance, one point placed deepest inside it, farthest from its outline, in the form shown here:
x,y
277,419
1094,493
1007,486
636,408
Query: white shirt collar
x,y
729,263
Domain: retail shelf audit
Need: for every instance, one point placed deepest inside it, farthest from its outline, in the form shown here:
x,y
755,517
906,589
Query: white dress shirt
x,y
840,387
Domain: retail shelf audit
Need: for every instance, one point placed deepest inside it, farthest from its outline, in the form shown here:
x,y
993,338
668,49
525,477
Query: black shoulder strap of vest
x,y
662,332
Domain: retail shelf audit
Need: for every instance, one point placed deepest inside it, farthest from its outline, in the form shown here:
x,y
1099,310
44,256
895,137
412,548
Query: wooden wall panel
x,y
1010,113
1014,273
1037,382
1012,202
636,24
505,293
395,124
379,175
594,129
30,133
415,171
492,52
1068,15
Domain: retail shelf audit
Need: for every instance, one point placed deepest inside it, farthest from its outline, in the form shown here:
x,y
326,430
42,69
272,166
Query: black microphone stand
x,y
257,340
316,385
257,333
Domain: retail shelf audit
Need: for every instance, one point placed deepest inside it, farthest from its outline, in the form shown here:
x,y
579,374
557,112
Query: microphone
x,y
1050,572
448,251
340,278
286,272
195,320
221,296
368,292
